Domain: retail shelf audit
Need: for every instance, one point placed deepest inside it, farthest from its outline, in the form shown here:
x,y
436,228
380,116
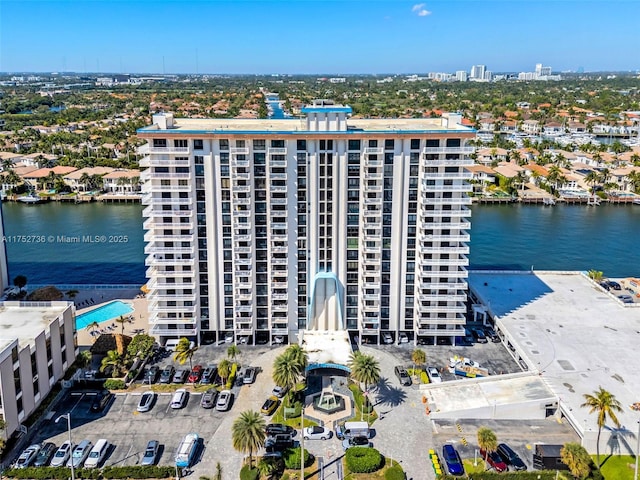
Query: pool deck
x,y
100,297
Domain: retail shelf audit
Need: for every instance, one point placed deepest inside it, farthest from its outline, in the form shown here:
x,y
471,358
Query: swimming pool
x,y
102,314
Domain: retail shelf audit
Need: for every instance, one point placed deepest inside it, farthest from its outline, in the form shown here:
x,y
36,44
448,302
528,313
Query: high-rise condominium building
x,y
477,72
258,228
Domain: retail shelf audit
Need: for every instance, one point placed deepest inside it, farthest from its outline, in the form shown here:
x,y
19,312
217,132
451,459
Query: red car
x,y
196,373
495,460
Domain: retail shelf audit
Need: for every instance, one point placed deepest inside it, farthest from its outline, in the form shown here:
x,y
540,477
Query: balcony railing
x,y
373,150
239,150
462,212
180,332
450,150
170,150
447,176
277,151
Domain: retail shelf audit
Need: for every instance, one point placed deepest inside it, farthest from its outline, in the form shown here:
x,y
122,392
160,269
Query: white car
x,y
387,338
179,399
62,455
317,433
224,401
403,338
434,375
146,401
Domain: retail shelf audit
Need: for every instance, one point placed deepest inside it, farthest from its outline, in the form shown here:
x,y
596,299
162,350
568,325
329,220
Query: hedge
x,y
394,473
291,457
247,473
114,384
63,473
363,459
232,375
532,475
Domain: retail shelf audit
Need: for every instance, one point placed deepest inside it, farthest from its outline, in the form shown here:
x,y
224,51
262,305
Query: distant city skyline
x,y
316,37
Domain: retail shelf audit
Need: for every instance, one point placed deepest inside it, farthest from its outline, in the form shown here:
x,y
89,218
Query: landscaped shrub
x,y
247,473
394,473
138,471
232,375
291,457
535,475
63,473
114,384
363,460
39,473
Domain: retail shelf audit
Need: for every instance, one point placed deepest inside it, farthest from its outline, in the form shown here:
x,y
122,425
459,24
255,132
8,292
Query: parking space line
x,y
127,455
77,403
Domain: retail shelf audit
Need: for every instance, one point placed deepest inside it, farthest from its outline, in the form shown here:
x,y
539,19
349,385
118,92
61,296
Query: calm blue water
x,y
277,111
102,314
506,236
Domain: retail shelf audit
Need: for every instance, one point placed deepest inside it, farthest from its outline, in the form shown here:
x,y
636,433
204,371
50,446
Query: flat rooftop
x,y
326,346
299,125
25,323
576,335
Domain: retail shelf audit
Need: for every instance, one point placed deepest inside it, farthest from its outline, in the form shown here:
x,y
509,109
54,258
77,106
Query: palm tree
x,y
233,351
487,441
418,357
92,326
591,179
113,360
247,433
84,180
224,369
574,456
595,275
184,352
286,371
299,356
364,369
83,360
270,467
605,404
218,475
121,321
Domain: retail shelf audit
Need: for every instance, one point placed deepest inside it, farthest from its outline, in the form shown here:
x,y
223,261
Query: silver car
x,y
27,457
146,401
150,453
62,455
80,454
224,401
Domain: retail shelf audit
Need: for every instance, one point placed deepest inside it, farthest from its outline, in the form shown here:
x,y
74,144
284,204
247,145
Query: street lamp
x,y
68,417
636,407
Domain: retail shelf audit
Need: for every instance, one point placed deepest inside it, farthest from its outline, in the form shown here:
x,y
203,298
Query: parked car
x,y
196,373
97,454
150,453
403,338
387,338
62,455
494,460
356,442
434,375
614,285
402,375
146,401
249,375
279,429
167,374
279,391
452,460
44,455
179,399
278,443
626,298
27,456
208,375
224,401
491,333
317,433
79,454
180,376
510,457
151,375
479,336
209,398
101,400
270,405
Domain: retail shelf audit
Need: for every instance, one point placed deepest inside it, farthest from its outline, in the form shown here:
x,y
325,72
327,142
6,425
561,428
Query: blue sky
x,y
305,36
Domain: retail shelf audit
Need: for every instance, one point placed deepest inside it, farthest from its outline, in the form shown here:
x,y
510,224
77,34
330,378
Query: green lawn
x,y
617,467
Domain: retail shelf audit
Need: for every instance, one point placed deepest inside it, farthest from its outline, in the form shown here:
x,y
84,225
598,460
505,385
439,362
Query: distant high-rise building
x,y
259,228
488,76
477,72
461,76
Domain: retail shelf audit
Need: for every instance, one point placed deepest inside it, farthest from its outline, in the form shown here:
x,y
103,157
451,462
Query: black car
x,y
151,376
167,374
614,285
180,376
402,375
279,429
479,336
278,443
510,457
101,401
208,375
44,455
491,333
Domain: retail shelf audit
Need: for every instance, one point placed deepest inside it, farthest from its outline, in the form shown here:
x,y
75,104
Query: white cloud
x,y
419,10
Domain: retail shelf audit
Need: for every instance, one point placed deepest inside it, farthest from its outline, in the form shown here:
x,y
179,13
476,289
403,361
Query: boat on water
x,y
30,199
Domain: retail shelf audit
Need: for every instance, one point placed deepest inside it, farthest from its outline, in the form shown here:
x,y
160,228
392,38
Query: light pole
x,y
636,407
68,417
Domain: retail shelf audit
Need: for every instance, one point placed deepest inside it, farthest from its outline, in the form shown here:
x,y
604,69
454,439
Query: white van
x,y
352,429
172,343
97,454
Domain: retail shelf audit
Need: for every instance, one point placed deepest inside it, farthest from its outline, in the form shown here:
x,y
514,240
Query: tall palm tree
x,y
487,441
92,326
83,360
364,369
121,321
591,179
418,357
286,371
232,352
224,369
113,360
299,356
184,352
605,405
84,180
574,456
247,433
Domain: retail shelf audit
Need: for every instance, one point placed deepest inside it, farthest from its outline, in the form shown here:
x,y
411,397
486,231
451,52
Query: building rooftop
x,y
570,331
24,322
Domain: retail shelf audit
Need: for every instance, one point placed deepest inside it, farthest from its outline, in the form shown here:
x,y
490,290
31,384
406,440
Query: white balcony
x,y
450,150
423,199
462,212
237,162
243,261
239,150
279,330
278,176
243,273
150,211
169,150
371,249
159,225
367,187
443,285
241,188
155,248
180,332
278,236
242,201
242,249
373,176
149,199
441,309
159,262
372,297
164,162
370,162
243,330
278,225
152,237
446,176
280,296
463,187
370,330
278,201
176,297
441,298
462,261
464,162
445,238
373,150
276,151
143,149
156,187
279,261
461,250
280,308
241,176
246,297
279,249
166,176
457,225
160,308
370,308
277,188
241,225
450,324
243,308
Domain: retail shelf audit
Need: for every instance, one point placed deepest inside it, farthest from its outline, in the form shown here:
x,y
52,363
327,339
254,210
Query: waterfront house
x,y
85,179
553,128
577,127
531,126
122,182
509,126
508,170
620,176
39,176
533,171
38,158
482,177
487,156
10,156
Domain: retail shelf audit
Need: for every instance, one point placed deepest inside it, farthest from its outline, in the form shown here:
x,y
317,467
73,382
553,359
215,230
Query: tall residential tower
x,y
258,228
